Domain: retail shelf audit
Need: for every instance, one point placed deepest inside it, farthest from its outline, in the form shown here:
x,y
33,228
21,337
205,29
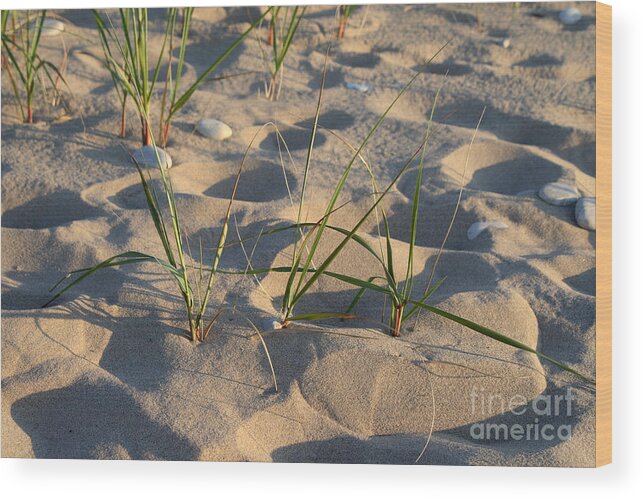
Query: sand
x,y
107,373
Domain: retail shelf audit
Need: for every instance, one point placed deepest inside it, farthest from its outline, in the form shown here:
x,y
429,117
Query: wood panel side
x,y
603,234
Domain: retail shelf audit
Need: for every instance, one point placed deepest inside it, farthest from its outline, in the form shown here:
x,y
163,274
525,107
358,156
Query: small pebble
x,y
360,87
559,194
213,129
270,324
52,27
570,16
145,156
586,213
506,43
476,228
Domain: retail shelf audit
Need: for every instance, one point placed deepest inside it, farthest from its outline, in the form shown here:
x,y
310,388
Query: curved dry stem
x,y
257,333
455,212
428,439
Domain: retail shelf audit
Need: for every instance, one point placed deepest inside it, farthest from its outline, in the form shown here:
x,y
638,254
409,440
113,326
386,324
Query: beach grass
x,y
284,23
404,305
303,272
168,227
343,13
21,36
126,54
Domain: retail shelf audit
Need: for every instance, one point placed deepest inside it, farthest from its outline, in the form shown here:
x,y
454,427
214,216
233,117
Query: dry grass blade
x,y
428,438
455,210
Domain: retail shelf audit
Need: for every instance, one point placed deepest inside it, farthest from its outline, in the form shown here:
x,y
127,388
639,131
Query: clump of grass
x,y
126,56
21,32
194,282
344,12
403,304
195,290
303,273
284,22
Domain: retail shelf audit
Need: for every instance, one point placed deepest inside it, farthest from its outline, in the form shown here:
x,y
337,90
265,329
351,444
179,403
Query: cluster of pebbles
x,y
561,194
209,127
556,194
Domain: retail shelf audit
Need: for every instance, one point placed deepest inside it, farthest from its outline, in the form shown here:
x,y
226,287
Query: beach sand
x,y
107,372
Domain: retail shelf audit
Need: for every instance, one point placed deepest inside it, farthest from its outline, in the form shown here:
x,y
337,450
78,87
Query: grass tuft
x,y
126,56
403,303
21,33
343,13
284,22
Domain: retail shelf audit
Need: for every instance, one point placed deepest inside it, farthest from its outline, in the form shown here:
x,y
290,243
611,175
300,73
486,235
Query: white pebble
x,y
586,213
145,156
270,324
213,129
476,228
506,43
570,16
360,87
559,194
52,27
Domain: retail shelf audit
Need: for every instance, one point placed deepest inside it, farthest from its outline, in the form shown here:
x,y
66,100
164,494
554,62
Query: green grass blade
x,y
359,240
38,32
408,284
295,19
358,295
12,58
157,218
348,238
499,337
357,282
169,25
390,268
319,316
222,239
296,254
185,29
274,19
126,258
109,61
342,181
423,299
408,280
180,102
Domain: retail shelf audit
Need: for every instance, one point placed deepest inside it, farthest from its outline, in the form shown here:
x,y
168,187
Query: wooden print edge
x,y
603,234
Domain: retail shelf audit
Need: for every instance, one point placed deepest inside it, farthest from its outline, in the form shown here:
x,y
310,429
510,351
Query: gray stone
x,y
145,156
213,129
559,194
270,324
52,27
360,87
586,213
570,16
